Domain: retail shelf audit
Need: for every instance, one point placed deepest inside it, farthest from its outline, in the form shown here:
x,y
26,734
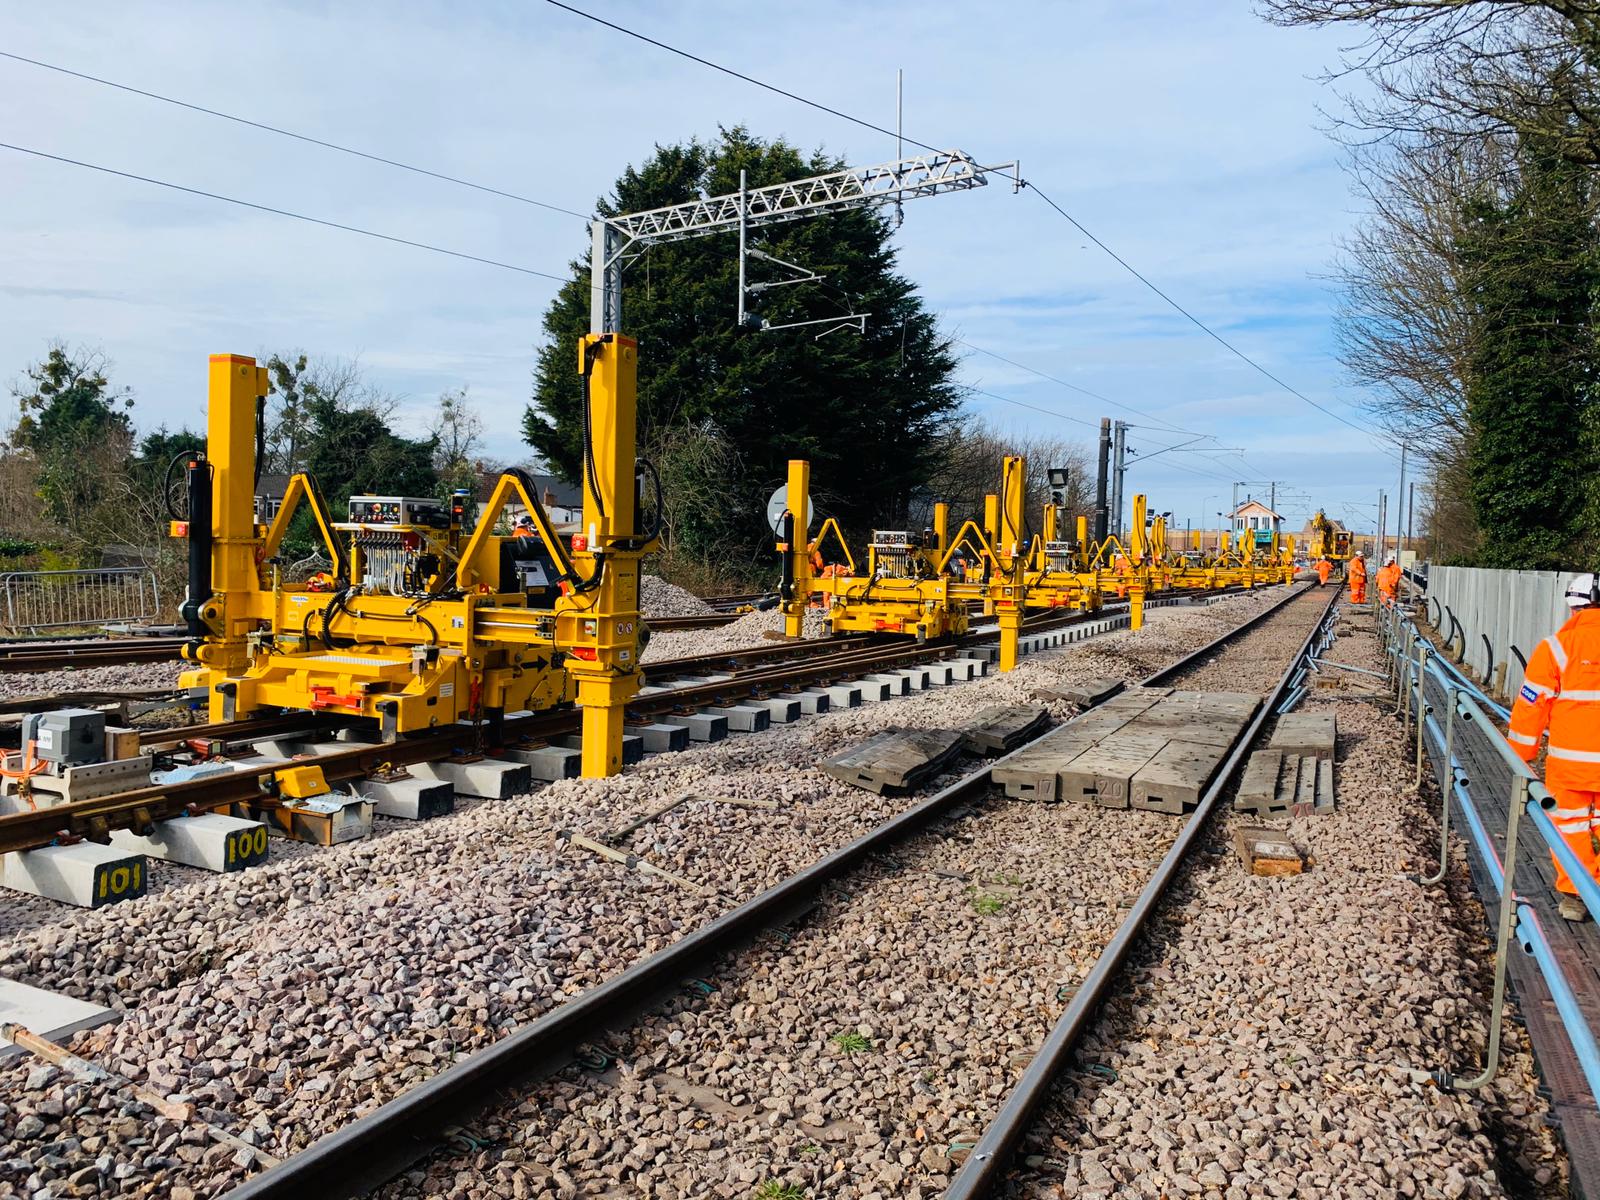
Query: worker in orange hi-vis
x,y
1324,569
1389,581
1124,571
1561,693
1358,580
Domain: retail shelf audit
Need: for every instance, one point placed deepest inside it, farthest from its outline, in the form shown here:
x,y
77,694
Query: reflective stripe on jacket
x,y
1560,694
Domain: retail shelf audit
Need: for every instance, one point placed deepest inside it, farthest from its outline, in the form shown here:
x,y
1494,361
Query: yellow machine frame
x,y
471,653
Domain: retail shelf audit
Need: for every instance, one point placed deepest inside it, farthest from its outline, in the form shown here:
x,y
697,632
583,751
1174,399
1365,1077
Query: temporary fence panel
x,y
1499,616
57,599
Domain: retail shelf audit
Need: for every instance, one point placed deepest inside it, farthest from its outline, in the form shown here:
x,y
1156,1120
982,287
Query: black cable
x,y
166,483
1201,325
589,352
289,133
706,62
283,212
433,633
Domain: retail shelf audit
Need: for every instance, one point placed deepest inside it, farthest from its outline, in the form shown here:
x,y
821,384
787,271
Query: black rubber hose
x,y
588,429
167,480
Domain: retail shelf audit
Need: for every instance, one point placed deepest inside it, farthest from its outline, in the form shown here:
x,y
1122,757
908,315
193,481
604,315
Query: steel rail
x,y
986,1166
376,1147
23,657
698,621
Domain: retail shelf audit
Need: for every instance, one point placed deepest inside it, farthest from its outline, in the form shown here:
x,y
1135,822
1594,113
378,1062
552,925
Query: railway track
x,y
757,672
50,654
713,680
386,1142
57,654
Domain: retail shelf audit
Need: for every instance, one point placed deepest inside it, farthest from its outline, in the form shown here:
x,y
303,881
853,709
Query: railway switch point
x,y
207,841
86,874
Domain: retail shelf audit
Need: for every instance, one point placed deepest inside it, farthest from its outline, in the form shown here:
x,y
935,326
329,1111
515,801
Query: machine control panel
x,y
891,539
367,511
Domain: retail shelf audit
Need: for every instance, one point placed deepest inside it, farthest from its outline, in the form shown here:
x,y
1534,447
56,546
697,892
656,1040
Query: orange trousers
x,y
1358,590
1573,811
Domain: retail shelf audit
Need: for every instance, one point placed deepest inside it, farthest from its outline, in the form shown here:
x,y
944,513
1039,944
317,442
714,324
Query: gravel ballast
x,y
1262,1043
289,999
848,1059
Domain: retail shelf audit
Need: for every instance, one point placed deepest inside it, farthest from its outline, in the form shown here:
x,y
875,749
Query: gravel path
x,y
290,998
1258,1049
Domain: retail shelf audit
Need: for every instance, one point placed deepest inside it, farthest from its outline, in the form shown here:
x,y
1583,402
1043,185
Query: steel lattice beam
x,y
856,187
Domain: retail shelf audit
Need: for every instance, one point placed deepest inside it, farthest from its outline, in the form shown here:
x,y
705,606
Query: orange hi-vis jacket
x,y
1358,570
1561,692
1389,578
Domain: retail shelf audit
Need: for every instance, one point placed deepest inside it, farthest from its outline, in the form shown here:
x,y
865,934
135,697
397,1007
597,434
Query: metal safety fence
x,y
1452,725
31,600
1493,619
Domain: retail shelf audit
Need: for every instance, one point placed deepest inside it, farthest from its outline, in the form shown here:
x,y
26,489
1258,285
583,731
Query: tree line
x,y
1469,290
80,486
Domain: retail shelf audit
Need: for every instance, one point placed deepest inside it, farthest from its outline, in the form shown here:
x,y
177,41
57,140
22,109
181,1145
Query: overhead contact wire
x,y
284,212
289,133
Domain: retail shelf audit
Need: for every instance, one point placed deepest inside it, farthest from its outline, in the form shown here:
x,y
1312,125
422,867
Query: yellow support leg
x,y
603,718
799,549
601,626
1010,631
1136,607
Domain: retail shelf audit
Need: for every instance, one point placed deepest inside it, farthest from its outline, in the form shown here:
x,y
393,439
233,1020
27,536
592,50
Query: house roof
x,y
1255,508
553,492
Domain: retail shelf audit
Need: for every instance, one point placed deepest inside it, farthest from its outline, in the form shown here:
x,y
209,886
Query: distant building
x,y
1256,517
562,502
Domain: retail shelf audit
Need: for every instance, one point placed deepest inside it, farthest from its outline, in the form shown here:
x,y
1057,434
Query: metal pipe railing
x,y
1529,798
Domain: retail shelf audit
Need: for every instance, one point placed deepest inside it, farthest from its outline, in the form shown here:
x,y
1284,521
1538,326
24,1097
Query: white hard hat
x,y
1389,559
1580,592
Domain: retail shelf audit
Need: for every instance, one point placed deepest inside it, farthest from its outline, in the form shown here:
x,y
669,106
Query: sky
x,y
1186,136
